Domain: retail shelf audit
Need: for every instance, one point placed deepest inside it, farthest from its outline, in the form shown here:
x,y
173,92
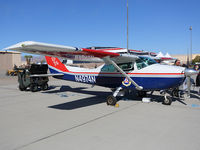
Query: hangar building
x,y
8,59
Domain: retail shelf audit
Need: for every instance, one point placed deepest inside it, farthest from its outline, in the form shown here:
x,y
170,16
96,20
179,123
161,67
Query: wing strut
x,y
124,73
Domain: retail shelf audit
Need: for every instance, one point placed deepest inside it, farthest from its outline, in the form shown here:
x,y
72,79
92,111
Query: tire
x,y
167,100
45,87
111,100
33,88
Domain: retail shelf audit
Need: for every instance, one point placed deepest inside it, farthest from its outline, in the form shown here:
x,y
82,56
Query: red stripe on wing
x,y
100,53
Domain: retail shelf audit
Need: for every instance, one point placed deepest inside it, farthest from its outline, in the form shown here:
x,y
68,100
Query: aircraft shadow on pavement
x,y
99,97
194,94
77,90
79,103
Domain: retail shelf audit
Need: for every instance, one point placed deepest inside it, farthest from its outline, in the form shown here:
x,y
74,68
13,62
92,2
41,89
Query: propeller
x,y
188,73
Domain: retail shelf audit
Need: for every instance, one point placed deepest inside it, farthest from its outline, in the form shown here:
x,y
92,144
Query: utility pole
x,y
188,57
188,77
190,45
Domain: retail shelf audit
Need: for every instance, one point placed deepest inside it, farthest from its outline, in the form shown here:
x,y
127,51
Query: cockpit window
x,y
124,66
108,68
143,62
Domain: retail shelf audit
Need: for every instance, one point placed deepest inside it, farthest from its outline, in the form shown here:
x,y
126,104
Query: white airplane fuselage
x,y
151,77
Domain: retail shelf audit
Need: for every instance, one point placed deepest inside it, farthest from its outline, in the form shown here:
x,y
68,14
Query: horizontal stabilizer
x,y
47,75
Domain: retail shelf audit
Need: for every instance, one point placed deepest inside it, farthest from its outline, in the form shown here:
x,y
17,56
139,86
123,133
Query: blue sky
x,y
154,25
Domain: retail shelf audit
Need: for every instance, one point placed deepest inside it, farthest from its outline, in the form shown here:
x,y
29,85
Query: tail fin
x,y
56,63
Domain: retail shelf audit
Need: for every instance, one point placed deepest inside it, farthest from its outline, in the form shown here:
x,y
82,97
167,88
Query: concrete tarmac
x,y
75,116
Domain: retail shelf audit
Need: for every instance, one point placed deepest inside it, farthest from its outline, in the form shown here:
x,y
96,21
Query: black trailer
x,y
33,77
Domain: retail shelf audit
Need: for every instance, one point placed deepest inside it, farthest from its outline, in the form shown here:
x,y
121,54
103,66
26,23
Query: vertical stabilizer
x,y
55,63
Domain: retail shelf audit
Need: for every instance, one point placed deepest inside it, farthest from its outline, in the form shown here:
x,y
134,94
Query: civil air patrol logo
x,y
126,82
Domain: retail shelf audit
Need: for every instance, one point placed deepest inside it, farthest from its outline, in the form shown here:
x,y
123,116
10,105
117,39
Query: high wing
x,y
67,52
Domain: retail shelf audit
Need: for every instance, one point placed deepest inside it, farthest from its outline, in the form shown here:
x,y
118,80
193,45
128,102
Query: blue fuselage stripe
x,y
148,83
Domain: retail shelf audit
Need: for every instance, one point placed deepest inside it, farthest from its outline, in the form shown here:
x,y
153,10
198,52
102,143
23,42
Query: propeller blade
x,y
190,72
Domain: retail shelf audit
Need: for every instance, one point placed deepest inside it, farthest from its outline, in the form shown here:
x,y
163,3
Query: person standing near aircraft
x,y
196,67
198,82
177,62
176,90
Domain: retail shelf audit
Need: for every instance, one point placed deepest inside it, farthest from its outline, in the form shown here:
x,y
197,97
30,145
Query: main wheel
x,y
33,88
111,100
167,100
45,86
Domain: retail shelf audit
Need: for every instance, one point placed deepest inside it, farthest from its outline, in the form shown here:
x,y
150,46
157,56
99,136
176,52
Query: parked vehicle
x,y
33,78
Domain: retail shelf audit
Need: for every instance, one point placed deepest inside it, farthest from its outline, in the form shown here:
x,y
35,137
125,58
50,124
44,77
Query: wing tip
x,y
19,45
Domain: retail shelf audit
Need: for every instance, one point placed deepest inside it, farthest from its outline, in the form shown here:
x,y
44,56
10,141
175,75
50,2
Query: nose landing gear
x,y
167,99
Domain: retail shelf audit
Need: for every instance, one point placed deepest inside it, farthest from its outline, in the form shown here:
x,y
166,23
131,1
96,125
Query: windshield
x,y
143,62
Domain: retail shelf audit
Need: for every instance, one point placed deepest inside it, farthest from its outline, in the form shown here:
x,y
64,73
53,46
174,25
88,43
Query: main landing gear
x,y
111,99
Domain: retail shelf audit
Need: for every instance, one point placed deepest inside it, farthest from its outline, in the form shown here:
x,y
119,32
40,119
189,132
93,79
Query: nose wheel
x,y
167,100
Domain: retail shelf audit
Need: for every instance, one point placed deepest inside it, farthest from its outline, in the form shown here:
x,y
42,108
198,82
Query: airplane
x,y
120,72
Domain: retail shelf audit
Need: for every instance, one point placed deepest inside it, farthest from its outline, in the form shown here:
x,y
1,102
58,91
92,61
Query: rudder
x,y
56,63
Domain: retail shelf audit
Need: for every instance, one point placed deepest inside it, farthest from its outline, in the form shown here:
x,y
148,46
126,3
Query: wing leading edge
x,y
68,52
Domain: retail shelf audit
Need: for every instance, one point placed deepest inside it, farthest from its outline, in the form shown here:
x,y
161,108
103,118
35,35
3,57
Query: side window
x,y
123,66
108,68
126,66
